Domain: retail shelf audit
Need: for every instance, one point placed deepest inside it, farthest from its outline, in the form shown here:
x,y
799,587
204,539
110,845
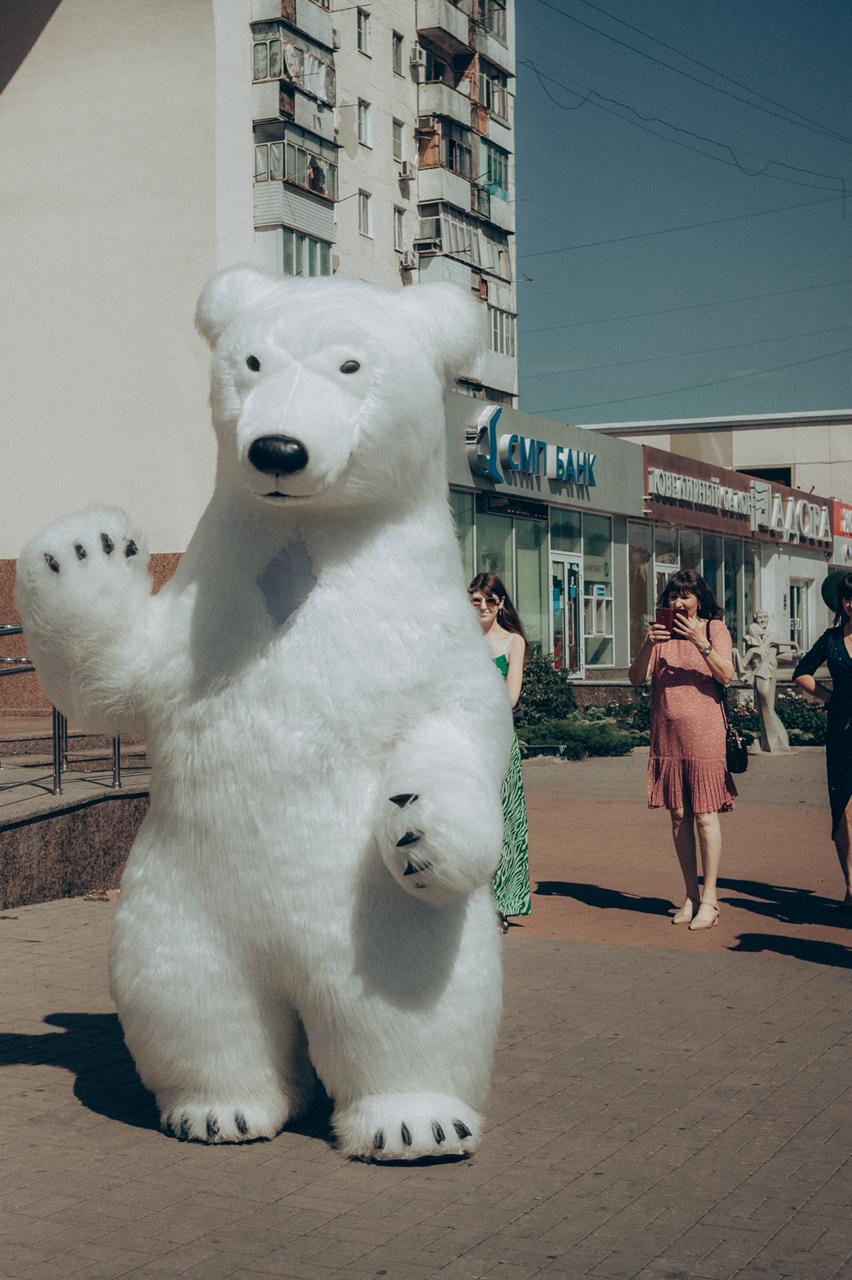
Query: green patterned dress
x,y
511,881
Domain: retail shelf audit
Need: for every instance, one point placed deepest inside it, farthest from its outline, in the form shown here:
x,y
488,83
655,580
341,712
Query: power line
x,y
682,355
596,99
696,386
678,71
832,133
691,306
686,226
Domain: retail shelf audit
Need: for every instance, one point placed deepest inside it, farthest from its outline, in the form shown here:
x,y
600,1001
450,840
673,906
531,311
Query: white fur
x,y
313,656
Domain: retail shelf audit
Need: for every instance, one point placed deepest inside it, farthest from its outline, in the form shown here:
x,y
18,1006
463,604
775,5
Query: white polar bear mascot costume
x,y
327,732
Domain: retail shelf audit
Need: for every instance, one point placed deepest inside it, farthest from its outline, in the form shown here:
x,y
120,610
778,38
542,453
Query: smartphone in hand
x,y
665,618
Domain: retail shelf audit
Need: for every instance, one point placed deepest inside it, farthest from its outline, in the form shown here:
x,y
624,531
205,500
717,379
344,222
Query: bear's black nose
x,y
278,455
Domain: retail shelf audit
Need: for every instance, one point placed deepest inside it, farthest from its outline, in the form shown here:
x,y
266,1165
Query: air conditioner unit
x,y
335,38
406,171
417,57
408,260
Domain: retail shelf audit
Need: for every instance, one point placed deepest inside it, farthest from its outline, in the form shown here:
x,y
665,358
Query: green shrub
x,y
579,738
547,693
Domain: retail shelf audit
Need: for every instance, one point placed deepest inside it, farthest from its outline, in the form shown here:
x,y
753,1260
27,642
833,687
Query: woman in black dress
x,y
834,650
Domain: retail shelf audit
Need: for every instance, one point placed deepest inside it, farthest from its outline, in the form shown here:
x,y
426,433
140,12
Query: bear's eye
x,y
253,363
350,366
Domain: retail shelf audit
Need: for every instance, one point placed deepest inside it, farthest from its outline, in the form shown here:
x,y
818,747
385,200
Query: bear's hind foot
x,y
403,1126
224,1122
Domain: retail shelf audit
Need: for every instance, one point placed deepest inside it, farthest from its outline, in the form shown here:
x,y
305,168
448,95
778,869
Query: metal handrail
x,y
59,722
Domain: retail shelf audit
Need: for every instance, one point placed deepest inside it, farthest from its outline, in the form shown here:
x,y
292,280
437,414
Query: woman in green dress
x,y
505,635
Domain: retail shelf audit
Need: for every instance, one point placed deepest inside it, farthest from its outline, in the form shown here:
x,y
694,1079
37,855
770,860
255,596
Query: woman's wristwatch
x,y
705,649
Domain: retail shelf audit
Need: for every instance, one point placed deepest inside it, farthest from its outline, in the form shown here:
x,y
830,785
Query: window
x,y
597,589
463,237
397,141
494,90
397,49
304,255
494,167
292,162
364,127
502,331
461,506
364,32
456,149
365,215
280,54
492,15
267,59
398,228
436,70
640,580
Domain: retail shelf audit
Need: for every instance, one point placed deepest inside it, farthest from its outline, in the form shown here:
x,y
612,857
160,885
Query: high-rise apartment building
x,y
145,147
384,151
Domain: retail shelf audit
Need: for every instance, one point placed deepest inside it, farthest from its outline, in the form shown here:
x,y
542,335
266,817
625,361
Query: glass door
x,y
566,612
799,614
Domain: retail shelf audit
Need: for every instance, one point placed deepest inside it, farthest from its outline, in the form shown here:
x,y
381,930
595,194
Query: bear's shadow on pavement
x,y
91,1046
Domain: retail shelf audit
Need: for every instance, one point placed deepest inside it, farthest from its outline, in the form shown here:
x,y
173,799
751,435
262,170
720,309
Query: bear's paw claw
x,y
203,1122
408,1127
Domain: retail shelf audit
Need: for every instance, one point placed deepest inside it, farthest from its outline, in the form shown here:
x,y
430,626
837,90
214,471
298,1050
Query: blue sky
x,y
757,304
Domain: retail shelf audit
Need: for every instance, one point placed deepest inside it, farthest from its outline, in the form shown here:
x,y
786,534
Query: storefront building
x,y
546,507
585,529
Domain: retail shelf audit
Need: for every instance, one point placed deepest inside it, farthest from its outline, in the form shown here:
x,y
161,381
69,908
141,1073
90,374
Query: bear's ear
x,y
450,321
226,295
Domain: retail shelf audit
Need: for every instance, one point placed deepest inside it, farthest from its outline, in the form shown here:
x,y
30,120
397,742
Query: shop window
x,y
397,52
712,573
461,506
565,533
733,563
597,590
531,599
363,30
690,549
494,547
640,578
304,255
751,602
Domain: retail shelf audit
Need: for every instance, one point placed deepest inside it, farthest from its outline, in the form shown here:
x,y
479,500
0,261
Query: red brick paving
x,y
666,1107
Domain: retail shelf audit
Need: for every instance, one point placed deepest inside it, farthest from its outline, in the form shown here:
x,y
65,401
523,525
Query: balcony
x,y
480,201
442,184
280,100
439,99
446,26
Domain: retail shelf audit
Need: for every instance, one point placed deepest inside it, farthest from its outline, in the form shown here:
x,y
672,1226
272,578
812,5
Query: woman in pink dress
x,y
689,666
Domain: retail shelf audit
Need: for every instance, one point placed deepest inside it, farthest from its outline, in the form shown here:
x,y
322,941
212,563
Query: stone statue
x,y
758,666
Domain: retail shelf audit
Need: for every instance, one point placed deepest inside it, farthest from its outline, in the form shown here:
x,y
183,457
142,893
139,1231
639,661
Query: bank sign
x,y
497,456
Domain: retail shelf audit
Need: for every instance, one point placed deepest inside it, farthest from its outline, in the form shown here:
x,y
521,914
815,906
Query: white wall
x,y
119,145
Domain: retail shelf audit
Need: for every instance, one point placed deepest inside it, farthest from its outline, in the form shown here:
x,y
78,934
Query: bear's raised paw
x,y
400,1126
83,565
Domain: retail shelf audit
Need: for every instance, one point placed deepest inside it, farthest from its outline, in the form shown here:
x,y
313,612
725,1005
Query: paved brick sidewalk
x,y
657,1113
